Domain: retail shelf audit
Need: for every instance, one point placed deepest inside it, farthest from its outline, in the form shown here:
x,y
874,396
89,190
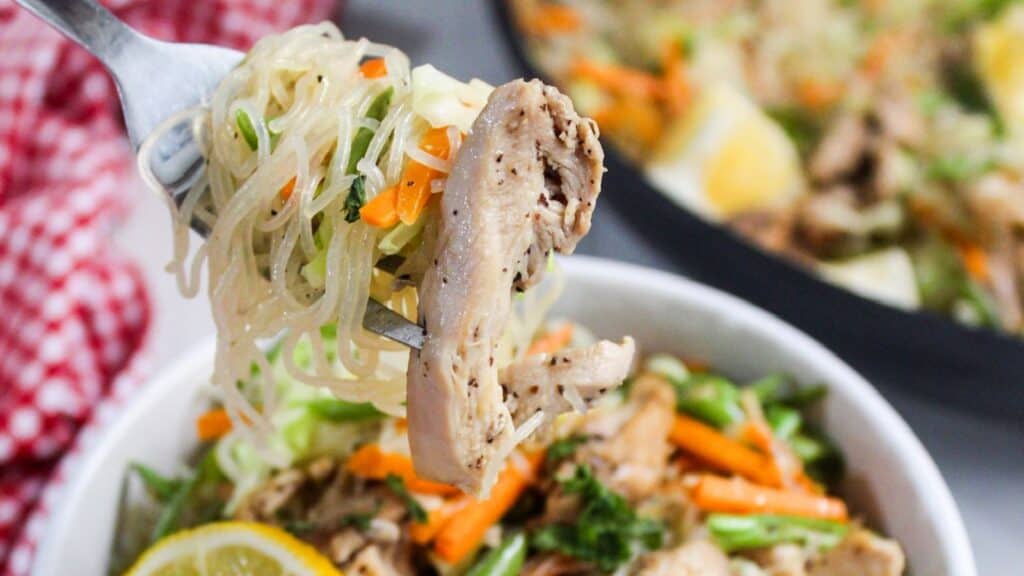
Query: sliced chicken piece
x,y
900,119
861,553
524,183
694,558
841,150
781,560
343,545
633,460
370,562
264,503
833,223
569,380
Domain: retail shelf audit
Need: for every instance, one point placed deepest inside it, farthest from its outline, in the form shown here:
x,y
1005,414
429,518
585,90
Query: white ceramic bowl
x,y
891,480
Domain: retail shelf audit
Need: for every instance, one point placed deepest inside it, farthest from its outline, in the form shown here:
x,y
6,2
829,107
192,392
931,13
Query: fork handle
x,y
89,24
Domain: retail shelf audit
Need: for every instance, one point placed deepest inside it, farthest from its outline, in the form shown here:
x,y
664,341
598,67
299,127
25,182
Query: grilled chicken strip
x,y
524,183
634,459
694,558
557,383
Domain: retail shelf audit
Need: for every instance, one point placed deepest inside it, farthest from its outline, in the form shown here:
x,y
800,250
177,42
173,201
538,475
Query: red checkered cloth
x,y
74,314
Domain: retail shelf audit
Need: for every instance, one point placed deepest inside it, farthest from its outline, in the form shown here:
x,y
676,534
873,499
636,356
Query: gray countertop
x,y
982,461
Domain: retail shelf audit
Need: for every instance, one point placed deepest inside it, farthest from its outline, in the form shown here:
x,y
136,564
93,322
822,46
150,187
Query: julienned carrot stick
x,y
676,88
465,529
549,19
382,211
819,93
737,496
373,463
720,451
213,424
414,187
287,189
375,68
437,518
619,79
975,262
552,341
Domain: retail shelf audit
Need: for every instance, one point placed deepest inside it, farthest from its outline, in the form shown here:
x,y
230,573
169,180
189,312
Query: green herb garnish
x,y
563,448
397,485
607,530
356,199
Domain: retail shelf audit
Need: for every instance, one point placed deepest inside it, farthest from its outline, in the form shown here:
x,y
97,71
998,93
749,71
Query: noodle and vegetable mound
x,y
681,471
881,144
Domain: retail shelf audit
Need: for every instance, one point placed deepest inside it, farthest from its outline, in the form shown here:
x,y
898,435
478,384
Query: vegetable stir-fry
x,y
879,143
684,467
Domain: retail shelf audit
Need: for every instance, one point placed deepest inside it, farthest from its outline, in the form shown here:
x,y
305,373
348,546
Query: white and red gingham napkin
x,y
74,314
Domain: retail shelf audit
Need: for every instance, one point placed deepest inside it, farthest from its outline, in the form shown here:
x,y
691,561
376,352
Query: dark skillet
x,y
927,354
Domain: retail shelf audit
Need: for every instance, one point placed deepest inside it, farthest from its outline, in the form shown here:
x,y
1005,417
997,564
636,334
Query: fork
x,y
156,79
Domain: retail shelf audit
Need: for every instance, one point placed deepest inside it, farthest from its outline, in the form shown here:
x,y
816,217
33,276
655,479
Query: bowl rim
x,y
921,470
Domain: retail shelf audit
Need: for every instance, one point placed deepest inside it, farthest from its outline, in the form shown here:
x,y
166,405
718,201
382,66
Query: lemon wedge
x,y
232,548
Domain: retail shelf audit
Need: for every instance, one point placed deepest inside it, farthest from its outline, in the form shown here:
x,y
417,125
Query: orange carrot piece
x,y
879,53
435,142
213,424
759,435
618,79
552,341
975,262
465,529
382,211
722,452
632,119
696,365
414,188
676,89
552,19
737,496
375,68
819,93
414,191
287,189
437,519
372,463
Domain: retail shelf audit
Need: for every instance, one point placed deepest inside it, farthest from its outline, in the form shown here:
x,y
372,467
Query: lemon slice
x,y
228,548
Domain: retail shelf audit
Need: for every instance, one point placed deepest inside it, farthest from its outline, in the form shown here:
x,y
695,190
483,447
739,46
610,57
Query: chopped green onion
x,y
505,560
734,532
159,486
804,396
360,522
769,388
668,366
379,107
361,141
710,398
246,128
336,410
397,485
784,422
400,236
